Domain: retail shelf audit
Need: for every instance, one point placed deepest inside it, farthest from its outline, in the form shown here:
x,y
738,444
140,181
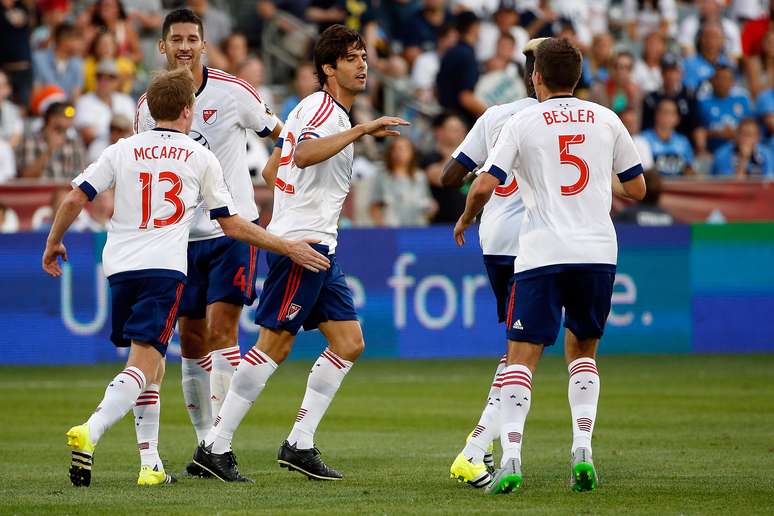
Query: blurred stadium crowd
x,y
692,81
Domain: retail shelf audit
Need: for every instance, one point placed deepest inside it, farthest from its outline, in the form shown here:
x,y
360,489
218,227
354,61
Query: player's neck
x,y
556,94
341,95
198,75
173,125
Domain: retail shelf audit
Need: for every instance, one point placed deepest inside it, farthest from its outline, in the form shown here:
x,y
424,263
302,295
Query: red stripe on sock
x,y
335,357
515,382
134,376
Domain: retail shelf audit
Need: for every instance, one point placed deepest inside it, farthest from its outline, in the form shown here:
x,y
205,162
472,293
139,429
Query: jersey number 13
x,y
171,196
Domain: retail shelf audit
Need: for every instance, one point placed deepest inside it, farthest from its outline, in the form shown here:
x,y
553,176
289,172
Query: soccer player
x,y
566,154
158,177
498,232
313,179
221,270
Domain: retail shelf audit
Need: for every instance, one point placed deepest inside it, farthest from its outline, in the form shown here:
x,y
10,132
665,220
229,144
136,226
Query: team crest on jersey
x,y
210,116
292,311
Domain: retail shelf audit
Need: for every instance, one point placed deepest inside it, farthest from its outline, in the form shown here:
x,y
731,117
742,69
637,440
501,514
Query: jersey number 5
x,y
566,158
172,196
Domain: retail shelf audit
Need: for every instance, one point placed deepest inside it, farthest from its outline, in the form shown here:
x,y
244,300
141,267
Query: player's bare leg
x,y
298,452
121,394
515,400
222,340
583,395
147,411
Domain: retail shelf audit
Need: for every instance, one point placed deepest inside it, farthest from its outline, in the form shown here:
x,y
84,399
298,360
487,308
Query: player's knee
x,y
351,348
192,342
219,336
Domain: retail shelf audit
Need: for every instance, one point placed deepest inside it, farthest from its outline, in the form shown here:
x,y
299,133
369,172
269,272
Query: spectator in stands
x,y
631,121
672,152
650,16
647,212
746,156
7,162
647,71
234,48
672,88
105,46
62,64
619,91
53,13
217,27
448,132
759,69
710,12
765,111
9,221
53,152
146,16
304,84
502,82
596,65
458,74
120,127
701,67
11,123
16,53
93,111
721,112
400,196
505,20
425,68
251,70
110,15
420,32
326,13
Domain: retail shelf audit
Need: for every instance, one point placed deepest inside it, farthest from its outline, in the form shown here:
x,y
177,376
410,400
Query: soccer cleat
x,y
192,470
463,470
222,466
82,455
583,476
506,479
307,462
488,456
153,477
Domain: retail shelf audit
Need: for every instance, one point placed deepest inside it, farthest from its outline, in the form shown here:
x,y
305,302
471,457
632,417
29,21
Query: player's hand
x,y
459,232
303,254
51,259
384,126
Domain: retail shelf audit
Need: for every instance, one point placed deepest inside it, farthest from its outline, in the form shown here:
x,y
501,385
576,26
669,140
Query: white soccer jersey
x,y
564,152
308,201
225,109
159,178
501,219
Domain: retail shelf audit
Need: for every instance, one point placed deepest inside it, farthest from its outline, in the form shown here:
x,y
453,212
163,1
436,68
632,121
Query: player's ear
x,y
329,70
162,47
204,47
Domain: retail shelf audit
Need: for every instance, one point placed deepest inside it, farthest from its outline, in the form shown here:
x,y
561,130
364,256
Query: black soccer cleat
x,y
193,470
80,469
222,466
307,462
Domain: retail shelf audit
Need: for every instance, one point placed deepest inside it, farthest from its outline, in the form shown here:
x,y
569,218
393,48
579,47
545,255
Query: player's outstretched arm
x,y
454,174
480,192
300,252
66,214
269,172
315,150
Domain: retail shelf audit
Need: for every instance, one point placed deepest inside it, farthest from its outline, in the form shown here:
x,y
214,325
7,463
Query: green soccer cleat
x,y
584,476
463,470
153,477
506,479
82,455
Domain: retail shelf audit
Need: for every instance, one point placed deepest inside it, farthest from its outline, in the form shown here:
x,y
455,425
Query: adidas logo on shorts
x,y
517,325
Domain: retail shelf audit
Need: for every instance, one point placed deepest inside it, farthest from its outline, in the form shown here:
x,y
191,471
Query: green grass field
x,y
674,435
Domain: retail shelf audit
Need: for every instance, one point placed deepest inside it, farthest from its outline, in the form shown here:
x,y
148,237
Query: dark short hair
x,y
65,30
465,20
334,44
559,63
181,16
440,119
529,67
56,108
169,92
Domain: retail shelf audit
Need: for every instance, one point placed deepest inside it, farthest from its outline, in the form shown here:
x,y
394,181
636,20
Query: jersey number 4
x,y
566,158
172,196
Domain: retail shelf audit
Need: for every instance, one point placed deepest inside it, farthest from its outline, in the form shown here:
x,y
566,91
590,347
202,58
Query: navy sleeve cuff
x,y
220,212
628,175
264,132
280,142
307,136
89,190
498,173
466,162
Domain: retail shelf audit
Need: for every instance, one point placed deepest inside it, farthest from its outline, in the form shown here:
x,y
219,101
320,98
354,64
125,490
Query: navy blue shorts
x,y
145,308
499,268
537,297
219,269
293,296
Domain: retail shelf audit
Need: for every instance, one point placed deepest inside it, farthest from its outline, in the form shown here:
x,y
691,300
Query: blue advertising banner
x,y
417,294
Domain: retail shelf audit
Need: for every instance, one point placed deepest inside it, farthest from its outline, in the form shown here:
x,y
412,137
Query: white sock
x,y
583,394
147,409
249,380
488,427
120,395
324,380
224,363
196,393
515,399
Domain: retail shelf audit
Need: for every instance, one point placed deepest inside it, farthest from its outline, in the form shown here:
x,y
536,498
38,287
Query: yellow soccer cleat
x,y
153,477
488,456
474,474
82,455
